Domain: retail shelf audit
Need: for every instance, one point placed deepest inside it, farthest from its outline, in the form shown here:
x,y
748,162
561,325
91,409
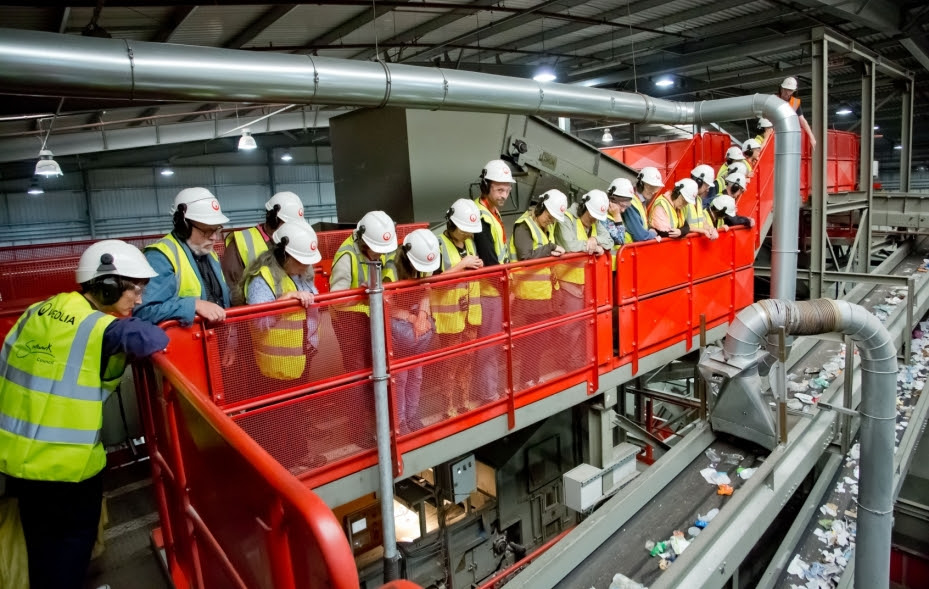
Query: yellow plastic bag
x,y
14,564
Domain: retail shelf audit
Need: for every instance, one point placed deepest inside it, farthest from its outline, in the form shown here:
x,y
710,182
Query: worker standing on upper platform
x,y
632,212
763,130
243,247
190,280
786,93
59,363
667,214
647,184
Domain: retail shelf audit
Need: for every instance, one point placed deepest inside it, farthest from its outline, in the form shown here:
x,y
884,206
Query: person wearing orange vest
x,y
786,93
496,183
58,365
242,247
190,280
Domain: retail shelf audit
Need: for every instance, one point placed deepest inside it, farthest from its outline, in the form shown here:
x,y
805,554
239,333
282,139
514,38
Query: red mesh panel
x,y
315,430
548,353
329,241
340,348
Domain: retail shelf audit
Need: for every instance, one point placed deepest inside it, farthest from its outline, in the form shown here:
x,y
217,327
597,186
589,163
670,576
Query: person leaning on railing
x,y
667,215
627,221
738,170
412,327
285,344
373,239
763,130
190,281
647,184
243,247
59,363
721,213
733,155
533,238
457,307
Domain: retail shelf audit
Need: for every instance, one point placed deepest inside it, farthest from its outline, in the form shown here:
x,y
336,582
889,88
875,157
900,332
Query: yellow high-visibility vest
x,y
694,214
500,248
52,394
249,243
676,217
359,272
573,272
188,284
279,350
455,304
532,284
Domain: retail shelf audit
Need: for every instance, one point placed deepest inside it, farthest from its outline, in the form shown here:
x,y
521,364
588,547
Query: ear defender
x,y
107,288
181,225
484,184
540,206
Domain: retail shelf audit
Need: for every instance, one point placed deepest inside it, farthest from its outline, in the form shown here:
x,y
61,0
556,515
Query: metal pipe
x,y
382,422
877,410
49,64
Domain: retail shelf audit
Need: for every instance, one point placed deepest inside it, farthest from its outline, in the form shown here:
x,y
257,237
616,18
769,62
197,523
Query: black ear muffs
x,y
698,180
271,218
677,191
182,227
747,153
280,249
485,183
640,182
540,206
107,288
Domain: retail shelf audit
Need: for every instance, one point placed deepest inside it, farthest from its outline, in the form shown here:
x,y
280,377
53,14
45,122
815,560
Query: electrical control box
x,y
457,479
582,487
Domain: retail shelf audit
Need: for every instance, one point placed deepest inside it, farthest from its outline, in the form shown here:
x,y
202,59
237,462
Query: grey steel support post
x,y
910,305
820,125
272,176
847,390
700,383
89,201
906,137
865,182
781,392
382,421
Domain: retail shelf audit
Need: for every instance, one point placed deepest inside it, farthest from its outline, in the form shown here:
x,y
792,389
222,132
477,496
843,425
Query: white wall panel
x,y
295,174
51,207
125,203
122,178
241,175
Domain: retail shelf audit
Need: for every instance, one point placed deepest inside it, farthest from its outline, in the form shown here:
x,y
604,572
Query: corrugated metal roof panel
x,y
305,23
216,25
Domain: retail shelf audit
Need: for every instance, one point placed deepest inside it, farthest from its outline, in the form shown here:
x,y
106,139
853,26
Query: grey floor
x,y
128,561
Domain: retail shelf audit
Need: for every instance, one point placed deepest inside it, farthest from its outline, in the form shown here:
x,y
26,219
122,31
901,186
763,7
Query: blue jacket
x,y
633,222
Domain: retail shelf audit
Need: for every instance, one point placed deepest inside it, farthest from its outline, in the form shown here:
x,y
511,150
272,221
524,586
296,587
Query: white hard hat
x,y
201,205
735,153
377,230
651,176
423,250
688,189
789,83
750,144
113,257
621,188
555,202
291,206
764,123
703,173
465,215
737,167
597,204
302,243
724,203
497,171
737,178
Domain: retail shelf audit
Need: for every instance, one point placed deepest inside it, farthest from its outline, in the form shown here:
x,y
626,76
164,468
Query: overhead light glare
x,y
844,111
545,76
664,82
167,172
35,189
286,157
607,137
876,127
898,146
47,166
247,142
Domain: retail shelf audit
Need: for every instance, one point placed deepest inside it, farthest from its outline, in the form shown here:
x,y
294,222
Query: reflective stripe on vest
x,y
723,172
574,271
532,284
51,391
675,217
637,205
693,214
188,282
794,103
249,243
453,304
279,351
359,272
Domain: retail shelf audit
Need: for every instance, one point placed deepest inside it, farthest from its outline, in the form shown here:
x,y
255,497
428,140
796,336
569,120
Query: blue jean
x,y
489,359
408,383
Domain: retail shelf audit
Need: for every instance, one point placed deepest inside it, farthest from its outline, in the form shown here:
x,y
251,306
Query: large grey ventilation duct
x,y
741,410
47,64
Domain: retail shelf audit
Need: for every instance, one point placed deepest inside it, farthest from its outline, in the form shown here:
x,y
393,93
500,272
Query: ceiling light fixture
x,y
607,137
47,166
876,127
898,146
35,189
545,75
247,142
167,172
664,82
286,157
843,111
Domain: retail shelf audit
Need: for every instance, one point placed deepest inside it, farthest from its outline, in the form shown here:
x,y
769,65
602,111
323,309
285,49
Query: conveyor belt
x,y
676,508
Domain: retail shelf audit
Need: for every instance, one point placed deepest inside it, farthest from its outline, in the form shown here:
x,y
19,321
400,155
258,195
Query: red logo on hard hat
x,y
602,209
387,236
313,246
563,208
215,205
430,257
473,217
300,213
506,171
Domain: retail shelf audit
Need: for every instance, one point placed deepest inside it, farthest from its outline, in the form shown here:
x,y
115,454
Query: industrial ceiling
x,y
706,48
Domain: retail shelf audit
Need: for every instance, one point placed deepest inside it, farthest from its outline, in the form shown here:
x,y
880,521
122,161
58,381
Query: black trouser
x,y
60,522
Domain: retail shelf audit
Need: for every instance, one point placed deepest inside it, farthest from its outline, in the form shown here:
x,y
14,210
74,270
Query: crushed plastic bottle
x,y
621,581
694,531
732,459
711,514
712,455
